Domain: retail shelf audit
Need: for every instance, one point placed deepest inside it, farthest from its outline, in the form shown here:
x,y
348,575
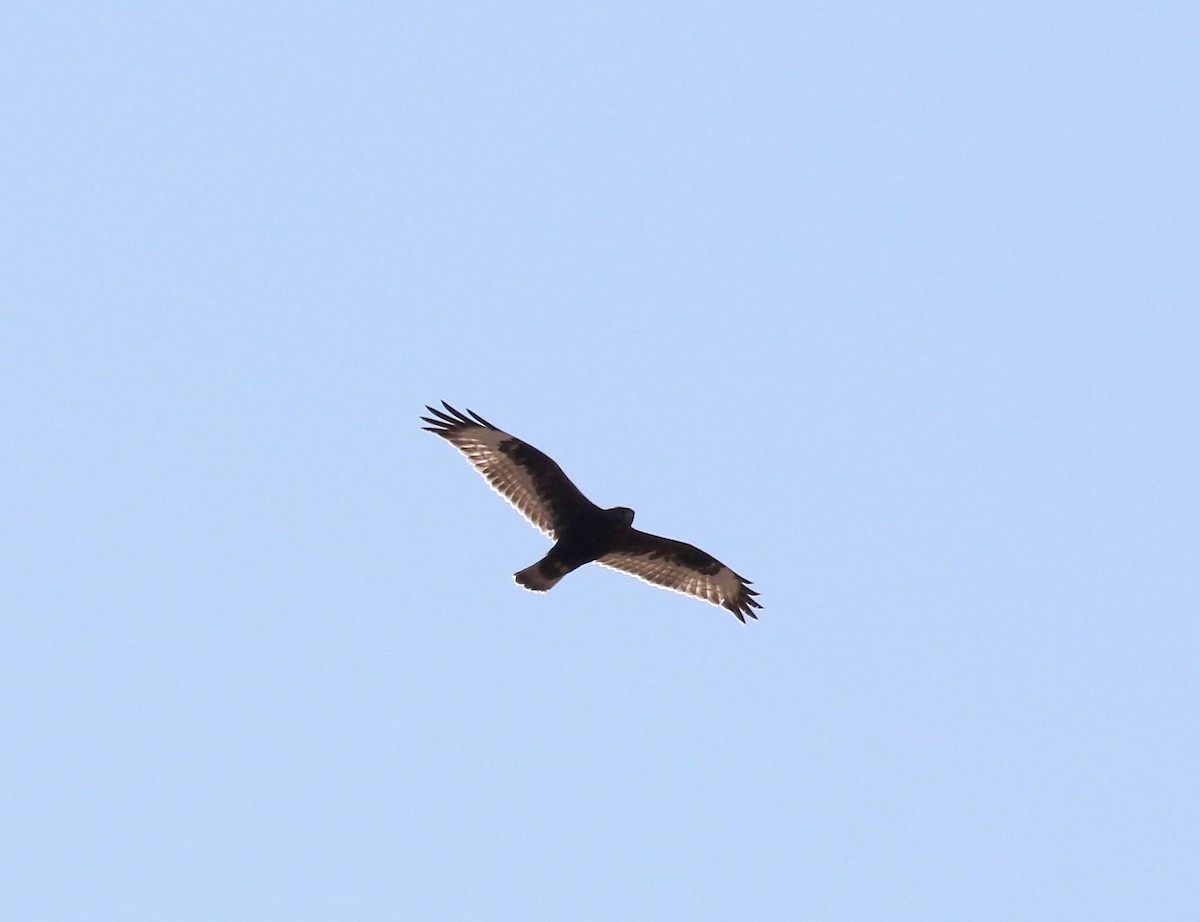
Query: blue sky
x,y
893,308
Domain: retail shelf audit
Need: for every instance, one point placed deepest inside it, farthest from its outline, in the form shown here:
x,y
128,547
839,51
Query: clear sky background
x,y
895,308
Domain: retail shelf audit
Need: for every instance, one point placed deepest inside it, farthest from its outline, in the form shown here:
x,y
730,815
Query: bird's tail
x,y
542,576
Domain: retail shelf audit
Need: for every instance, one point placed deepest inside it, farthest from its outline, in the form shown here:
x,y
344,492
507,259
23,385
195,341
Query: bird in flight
x,y
582,531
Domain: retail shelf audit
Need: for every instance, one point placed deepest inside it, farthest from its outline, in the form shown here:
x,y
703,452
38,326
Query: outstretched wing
x,y
531,481
683,568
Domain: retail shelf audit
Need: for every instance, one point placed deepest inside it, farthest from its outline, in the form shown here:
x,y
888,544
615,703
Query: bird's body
x,y
588,537
583,532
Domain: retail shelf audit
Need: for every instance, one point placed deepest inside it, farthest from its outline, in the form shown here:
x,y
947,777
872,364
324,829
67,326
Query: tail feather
x,y
536,578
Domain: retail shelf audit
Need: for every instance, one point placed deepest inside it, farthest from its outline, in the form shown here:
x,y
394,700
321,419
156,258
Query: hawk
x,y
582,531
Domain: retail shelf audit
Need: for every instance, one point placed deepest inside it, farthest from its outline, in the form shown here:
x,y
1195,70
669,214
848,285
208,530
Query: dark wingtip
x,y
479,419
445,421
743,606
452,418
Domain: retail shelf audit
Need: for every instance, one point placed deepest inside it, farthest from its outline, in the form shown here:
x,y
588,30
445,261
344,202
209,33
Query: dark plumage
x,y
583,532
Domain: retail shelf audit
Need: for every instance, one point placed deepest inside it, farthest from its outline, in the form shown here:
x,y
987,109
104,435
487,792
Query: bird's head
x,y
622,514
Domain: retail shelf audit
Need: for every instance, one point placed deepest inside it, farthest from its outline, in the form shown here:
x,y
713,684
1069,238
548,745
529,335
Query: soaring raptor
x,y
582,531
